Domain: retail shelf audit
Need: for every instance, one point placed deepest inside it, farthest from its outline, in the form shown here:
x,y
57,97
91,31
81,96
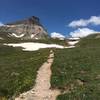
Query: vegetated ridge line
x,y
41,90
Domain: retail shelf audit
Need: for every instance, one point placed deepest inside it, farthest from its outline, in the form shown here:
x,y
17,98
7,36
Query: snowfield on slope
x,y
72,42
31,46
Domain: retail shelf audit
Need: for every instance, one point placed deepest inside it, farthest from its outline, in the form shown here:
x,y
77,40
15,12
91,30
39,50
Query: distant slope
x,y
90,41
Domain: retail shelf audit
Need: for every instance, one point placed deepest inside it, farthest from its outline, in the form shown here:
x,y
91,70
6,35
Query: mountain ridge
x,y
29,28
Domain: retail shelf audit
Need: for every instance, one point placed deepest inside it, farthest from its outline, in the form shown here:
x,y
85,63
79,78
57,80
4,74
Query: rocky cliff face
x,y
29,28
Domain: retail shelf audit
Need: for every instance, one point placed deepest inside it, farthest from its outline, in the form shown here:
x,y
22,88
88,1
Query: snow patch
x,y
30,46
74,38
32,36
72,42
11,25
1,38
17,36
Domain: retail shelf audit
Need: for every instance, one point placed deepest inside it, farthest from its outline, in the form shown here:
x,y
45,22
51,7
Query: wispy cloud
x,y
1,24
94,20
82,32
57,35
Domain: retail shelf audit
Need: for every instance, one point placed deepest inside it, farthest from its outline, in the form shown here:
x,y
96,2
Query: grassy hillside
x,y
18,70
76,72
90,42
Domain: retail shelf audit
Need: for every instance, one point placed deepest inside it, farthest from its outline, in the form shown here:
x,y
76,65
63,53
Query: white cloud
x,y
82,32
78,23
94,20
57,35
1,24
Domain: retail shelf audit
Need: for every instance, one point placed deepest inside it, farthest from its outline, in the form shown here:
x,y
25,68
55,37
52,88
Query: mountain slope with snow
x,y
25,29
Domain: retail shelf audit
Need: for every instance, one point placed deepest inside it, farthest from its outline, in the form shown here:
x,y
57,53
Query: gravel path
x,y
42,91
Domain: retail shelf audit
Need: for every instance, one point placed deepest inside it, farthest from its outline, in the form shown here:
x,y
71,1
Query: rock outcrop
x,y
29,28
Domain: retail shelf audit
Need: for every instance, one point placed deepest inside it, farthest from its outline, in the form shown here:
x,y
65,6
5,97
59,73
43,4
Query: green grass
x,y
18,70
89,41
76,72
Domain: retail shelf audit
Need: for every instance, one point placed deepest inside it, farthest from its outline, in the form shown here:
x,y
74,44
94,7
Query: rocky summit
x,y
29,28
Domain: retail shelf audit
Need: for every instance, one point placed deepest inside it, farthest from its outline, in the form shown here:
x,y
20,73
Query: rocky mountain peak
x,y
29,28
30,20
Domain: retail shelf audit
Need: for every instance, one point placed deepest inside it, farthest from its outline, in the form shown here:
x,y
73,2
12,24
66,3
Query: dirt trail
x,y
42,91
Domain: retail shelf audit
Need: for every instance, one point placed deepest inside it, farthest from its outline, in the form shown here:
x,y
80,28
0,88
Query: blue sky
x,y
54,14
